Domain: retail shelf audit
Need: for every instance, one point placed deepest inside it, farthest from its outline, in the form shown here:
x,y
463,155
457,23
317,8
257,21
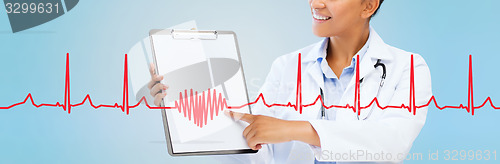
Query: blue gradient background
x,y
97,34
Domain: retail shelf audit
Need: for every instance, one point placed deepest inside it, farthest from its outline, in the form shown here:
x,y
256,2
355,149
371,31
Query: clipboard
x,y
204,72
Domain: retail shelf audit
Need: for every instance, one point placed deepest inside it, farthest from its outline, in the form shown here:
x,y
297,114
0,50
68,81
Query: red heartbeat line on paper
x,y
198,106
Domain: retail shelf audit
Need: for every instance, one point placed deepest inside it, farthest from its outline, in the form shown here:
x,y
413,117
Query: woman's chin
x,y
321,33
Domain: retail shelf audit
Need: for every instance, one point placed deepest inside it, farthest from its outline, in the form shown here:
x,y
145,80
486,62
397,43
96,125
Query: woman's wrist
x,y
304,132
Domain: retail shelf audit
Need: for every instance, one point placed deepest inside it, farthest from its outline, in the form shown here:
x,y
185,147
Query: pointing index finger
x,y
241,116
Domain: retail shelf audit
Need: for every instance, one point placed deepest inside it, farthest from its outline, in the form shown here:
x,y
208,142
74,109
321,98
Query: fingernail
x,y
229,113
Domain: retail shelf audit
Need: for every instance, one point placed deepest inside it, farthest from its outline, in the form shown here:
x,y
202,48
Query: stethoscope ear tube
x,y
383,71
382,78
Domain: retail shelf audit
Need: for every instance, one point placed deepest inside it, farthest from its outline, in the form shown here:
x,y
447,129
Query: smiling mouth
x,y
320,17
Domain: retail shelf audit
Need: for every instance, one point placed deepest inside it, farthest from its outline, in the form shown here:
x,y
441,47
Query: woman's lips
x,y
320,18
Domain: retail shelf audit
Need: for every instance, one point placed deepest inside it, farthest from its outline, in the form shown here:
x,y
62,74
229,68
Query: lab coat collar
x,y
377,49
316,51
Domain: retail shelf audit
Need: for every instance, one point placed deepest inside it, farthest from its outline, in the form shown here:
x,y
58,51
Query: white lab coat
x,y
382,132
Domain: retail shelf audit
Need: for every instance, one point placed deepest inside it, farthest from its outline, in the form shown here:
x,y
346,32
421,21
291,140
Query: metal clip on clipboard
x,y
192,34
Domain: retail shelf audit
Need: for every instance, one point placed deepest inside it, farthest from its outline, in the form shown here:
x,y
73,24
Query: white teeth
x,y
315,16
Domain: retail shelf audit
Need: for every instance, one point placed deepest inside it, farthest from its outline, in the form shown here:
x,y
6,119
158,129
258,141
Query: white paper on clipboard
x,y
140,56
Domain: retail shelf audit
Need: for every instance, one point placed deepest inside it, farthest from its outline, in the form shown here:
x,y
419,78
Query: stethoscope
x,y
382,78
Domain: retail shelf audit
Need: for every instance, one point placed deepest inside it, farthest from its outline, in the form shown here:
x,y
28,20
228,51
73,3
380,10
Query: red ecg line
x,y
412,107
198,107
67,101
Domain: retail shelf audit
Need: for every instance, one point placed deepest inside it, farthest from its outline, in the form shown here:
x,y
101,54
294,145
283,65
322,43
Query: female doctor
x,y
328,68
